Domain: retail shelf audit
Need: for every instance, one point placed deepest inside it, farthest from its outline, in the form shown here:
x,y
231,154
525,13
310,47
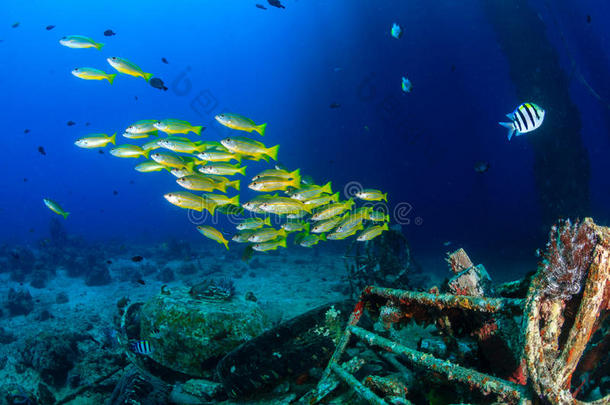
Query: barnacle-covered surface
x,y
567,301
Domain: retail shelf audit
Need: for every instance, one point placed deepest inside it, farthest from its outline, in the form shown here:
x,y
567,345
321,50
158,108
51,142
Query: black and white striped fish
x,y
141,347
526,118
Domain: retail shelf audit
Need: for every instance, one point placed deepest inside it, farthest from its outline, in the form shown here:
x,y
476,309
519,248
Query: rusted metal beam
x,y
357,386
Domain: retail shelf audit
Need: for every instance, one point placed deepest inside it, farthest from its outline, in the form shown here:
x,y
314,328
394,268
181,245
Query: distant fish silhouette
x,y
15,25
49,27
164,61
114,192
101,152
137,259
588,19
481,167
109,33
261,6
275,3
70,123
335,105
42,151
158,84
26,131
140,281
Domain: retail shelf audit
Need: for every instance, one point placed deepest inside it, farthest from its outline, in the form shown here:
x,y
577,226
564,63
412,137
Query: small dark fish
x,y
481,167
275,3
335,105
137,259
108,261
453,68
588,19
87,124
70,123
131,181
101,152
157,83
26,131
135,98
42,151
25,179
164,61
109,33
15,25
140,281
141,347
261,6
49,27
114,192
31,230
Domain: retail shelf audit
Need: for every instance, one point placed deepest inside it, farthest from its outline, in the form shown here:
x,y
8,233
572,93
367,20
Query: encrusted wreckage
x,y
562,334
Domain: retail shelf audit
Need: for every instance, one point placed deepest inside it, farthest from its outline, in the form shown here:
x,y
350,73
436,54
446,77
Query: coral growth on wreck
x,y
568,255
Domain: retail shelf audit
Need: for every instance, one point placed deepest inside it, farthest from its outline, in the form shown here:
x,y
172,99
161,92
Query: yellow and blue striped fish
x,y
526,118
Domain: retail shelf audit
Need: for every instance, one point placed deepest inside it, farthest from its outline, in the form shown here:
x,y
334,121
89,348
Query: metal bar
x,y
485,383
443,301
357,386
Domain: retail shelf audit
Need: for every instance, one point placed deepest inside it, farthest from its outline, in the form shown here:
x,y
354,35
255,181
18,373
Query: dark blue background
x,y
286,67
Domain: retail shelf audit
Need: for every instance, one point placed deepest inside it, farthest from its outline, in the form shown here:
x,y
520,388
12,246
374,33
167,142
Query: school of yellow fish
x,y
311,211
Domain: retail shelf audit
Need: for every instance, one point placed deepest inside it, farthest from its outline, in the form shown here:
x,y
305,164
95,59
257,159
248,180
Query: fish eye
x,y
76,69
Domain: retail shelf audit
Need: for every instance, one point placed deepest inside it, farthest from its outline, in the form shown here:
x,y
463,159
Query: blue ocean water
x,y
285,67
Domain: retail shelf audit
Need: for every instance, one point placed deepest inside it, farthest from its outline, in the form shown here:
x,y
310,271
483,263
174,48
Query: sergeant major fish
x,y
526,118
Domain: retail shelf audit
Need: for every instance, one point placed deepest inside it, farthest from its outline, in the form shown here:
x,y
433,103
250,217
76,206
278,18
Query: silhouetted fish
x,y
25,131
25,179
101,152
335,105
164,61
137,259
70,123
109,33
275,3
140,281
87,124
588,19
481,167
158,84
15,25
49,27
114,192
42,151
261,6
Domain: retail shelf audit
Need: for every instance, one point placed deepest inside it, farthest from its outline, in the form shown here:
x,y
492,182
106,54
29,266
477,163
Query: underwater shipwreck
x,y
541,339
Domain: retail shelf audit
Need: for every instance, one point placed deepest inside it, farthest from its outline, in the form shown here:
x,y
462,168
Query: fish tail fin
x,y
295,173
146,153
261,129
147,76
272,152
511,128
237,157
113,139
226,243
235,184
385,227
99,46
306,208
387,218
111,77
190,166
198,129
307,227
335,197
322,237
65,214
283,241
211,208
242,170
264,157
296,179
350,202
282,232
267,221
327,188
222,187
384,197
234,200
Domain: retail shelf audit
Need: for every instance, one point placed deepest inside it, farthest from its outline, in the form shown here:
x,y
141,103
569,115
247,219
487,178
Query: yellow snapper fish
x,y
343,235
283,205
253,223
235,121
242,237
378,216
296,226
150,166
332,210
221,199
174,161
131,135
311,240
285,174
349,222
56,208
128,68
142,127
372,232
271,245
254,204
184,199
152,145
297,215
88,73
311,191
79,41
198,182
214,234
222,169
219,156
181,172
326,225
274,183
96,141
322,200
228,183
180,145
250,147
370,194
129,151
171,126
266,234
